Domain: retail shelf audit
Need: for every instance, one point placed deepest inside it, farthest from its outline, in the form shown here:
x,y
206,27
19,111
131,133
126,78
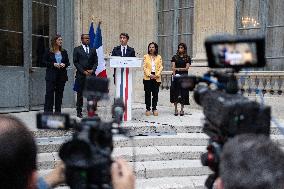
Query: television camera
x,y
227,112
87,156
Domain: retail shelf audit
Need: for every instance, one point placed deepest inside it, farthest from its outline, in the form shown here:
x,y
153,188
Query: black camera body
x,y
87,156
227,112
228,115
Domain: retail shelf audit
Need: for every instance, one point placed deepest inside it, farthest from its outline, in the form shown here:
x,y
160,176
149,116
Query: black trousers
x,y
79,103
54,88
151,87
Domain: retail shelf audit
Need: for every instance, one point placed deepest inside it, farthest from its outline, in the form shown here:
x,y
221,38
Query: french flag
x,y
97,41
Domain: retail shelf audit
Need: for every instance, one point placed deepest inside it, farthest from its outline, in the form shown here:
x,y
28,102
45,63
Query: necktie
x,y
123,54
87,49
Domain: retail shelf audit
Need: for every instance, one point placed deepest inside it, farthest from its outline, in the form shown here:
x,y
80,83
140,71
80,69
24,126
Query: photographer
x,y
251,162
18,168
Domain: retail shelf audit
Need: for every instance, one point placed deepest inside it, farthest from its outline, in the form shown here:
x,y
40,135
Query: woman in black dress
x,y
180,65
56,61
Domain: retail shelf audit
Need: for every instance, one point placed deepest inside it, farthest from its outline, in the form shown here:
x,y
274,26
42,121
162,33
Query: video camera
x,y
87,156
227,113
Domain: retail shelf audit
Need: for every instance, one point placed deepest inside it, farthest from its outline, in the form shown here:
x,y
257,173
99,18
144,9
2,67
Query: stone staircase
x,y
169,157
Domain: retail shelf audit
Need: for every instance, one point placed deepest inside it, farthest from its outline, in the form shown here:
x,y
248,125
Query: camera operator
x,y
18,168
251,162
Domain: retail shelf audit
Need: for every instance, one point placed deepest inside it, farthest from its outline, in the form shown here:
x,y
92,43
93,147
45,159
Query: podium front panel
x,y
125,62
123,82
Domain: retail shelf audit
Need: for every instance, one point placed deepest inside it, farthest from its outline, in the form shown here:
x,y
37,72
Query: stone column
x,y
210,17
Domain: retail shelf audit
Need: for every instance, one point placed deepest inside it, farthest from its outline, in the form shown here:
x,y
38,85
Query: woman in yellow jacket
x,y
152,77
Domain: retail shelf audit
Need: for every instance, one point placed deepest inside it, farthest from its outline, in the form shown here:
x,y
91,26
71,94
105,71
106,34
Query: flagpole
x,y
92,18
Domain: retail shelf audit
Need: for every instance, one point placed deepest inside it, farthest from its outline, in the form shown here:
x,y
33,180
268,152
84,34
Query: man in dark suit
x,y
86,61
123,49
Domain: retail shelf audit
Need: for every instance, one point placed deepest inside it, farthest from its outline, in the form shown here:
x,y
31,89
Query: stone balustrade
x,y
250,83
166,79
267,82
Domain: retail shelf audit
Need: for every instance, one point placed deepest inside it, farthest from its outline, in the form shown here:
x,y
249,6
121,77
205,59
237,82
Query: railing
x,y
250,83
166,79
267,82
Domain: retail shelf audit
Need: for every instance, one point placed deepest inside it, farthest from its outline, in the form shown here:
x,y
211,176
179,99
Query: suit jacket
x,y
130,52
53,73
84,61
147,66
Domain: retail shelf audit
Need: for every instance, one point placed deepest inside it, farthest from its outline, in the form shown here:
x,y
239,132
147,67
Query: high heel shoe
x,y
176,113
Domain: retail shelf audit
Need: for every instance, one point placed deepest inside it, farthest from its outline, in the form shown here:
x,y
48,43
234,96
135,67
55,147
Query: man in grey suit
x,y
86,61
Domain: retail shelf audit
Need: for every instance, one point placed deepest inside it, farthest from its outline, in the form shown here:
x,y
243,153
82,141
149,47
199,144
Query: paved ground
x,y
191,117
138,115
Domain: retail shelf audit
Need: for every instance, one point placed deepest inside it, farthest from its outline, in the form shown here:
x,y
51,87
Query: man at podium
x,y
123,49
123,75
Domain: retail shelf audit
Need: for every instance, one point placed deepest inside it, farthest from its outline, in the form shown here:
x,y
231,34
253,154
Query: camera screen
x,y
235,54
51,121
185,82
229,51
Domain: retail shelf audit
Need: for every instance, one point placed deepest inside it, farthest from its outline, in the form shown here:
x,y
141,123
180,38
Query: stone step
x,y
147,128
142,154
158,169
191,127
52,144
189,182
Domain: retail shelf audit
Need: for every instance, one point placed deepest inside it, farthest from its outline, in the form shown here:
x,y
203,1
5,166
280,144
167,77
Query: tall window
x,y
264,17
275,35
43,28
11,33
175,25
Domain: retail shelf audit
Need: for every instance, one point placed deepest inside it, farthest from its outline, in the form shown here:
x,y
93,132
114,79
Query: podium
x,y
123,80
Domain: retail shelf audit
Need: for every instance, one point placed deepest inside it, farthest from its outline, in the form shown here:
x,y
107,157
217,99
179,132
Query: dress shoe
x,y
79,114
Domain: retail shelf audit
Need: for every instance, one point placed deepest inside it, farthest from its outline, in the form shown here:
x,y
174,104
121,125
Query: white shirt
x,y
153,65
121,48
86,49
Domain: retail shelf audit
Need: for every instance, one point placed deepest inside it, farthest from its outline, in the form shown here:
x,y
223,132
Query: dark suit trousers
x,y
54,88
79,103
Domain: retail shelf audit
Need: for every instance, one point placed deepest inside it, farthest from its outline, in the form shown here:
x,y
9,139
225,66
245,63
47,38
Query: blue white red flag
x,y
92,35
98,44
